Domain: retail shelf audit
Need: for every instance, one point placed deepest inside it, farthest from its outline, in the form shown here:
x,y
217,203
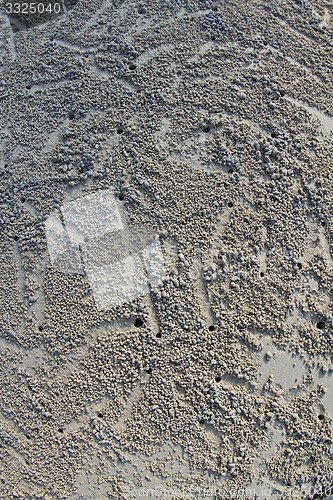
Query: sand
x,y
167,251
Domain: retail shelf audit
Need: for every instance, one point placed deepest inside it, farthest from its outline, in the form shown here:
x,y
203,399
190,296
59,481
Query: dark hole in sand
x,y
138,322
321,416
149,370
121,197
299,265
132,67
217,379
230,204
206,129
120,130
274,135
100,415
40,328
211,328
71,116
230,171
321,325
158,335
22,199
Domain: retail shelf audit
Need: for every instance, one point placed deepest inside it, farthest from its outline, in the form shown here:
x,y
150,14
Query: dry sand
x,y
205,370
